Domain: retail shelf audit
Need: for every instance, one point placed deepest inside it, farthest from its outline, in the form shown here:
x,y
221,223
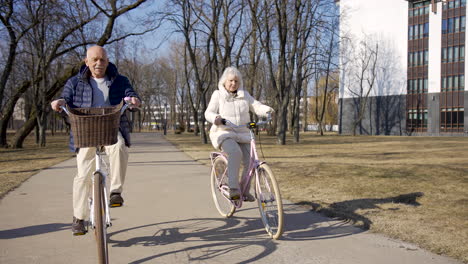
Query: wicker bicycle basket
x,y
93,127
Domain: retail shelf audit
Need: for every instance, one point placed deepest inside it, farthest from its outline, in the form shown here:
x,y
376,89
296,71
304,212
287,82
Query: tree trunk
x,y
8,112
203,130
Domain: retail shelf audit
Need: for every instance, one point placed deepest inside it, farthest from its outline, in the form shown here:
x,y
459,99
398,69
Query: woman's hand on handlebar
x,y
218,120
271,115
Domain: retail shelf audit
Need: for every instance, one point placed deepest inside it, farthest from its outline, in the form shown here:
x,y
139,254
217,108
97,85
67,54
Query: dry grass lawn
x,y
17,165
411,188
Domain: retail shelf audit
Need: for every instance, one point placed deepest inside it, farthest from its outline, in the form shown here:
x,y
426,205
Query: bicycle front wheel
x,y
220,187
100,218
269,201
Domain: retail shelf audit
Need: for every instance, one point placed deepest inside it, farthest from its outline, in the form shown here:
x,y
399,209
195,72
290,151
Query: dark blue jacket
x,y
79,93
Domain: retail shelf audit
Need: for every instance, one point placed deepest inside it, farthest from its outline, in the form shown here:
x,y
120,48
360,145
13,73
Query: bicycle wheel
x,y
269,201
220,187
100,218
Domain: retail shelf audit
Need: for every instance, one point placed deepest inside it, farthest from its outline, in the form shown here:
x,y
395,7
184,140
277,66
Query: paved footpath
x,y
169,217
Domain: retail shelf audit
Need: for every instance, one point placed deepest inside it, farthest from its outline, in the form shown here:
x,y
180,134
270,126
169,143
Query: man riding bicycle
x,y
98,84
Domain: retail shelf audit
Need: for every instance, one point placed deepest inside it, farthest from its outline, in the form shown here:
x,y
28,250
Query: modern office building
x,y
410,54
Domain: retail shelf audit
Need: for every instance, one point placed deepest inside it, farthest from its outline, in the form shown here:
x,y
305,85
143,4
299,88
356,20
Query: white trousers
x,y
236,152
118,159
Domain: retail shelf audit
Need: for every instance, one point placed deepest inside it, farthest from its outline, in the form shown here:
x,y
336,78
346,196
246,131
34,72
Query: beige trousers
x,y
118,159
236,152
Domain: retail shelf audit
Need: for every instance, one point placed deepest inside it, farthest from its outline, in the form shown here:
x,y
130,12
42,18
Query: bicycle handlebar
x,y
249,125
122,110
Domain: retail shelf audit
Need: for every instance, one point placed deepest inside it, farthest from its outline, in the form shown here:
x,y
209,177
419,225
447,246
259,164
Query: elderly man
x,y
98,84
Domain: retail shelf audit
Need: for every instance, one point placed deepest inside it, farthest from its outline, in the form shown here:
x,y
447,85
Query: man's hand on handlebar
x,y
133,101
56,104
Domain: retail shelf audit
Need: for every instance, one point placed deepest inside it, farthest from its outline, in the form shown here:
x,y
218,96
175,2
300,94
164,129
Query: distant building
x,y
419,84
19,117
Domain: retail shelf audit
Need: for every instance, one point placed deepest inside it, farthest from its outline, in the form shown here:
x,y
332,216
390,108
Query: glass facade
x,y
453,66
418,60
451,105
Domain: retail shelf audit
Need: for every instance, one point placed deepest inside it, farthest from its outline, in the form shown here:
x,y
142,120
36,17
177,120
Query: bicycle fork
x,y
90,199
264,198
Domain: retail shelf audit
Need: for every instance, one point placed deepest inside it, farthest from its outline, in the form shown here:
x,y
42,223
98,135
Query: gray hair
x,y
231,71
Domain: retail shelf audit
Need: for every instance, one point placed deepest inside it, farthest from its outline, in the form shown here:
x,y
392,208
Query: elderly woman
x,y
232,102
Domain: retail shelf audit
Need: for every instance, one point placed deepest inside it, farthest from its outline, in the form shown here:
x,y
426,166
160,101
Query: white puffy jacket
x,y
234,108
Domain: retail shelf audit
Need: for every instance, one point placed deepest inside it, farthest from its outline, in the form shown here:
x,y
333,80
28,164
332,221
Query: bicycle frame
x,y
267,191
254,163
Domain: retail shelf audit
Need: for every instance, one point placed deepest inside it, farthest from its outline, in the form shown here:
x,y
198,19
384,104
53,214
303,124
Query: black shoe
x,y
78,227
116,200
249,197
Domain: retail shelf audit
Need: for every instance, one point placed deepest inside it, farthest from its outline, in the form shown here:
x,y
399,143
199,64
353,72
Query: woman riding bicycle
x,y
232,102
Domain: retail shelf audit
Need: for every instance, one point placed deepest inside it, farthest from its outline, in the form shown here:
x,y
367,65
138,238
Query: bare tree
x,y
285,28
329,68
366,59
16,29
186,23
112,11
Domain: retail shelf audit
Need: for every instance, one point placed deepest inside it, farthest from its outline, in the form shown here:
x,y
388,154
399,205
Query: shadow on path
x,y
33,230
206,238
346,210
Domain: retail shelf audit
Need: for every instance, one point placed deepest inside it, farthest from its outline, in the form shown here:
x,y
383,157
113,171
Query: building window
x,y
452,119
453,83
454,25
462,23
450,27
453,54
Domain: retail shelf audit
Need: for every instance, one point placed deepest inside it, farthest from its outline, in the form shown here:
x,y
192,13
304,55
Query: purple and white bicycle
x,y
267,192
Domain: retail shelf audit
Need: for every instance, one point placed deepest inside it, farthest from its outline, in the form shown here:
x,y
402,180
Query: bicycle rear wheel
x,y
220,187
269,201
100,228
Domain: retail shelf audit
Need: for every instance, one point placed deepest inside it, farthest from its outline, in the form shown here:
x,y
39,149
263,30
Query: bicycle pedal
x,y
235,198
79,234
116,205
